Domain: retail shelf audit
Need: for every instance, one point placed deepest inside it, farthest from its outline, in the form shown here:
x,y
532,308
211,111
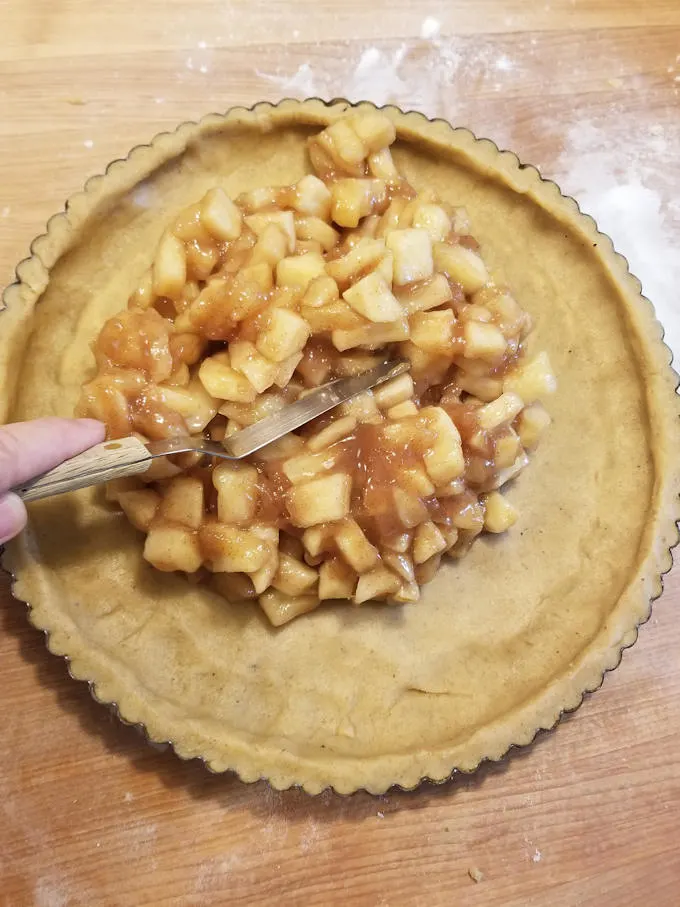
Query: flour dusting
x,y
428,75
618,184
49,892
430,28
301,83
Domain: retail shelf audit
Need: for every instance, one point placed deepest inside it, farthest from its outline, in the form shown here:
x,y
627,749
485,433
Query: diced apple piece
x,y
223,382
506,449
395,391
427,368
434,220
321,291
415,479
334,316
427,542
402,410
258,199
483,341
510,472
182,502
196,406
335,431
312,197
344,144
285,334
220,216
299,270
409,508
372,298
115,487
353,199
336,580
377,583
500,515
306,465
262,577
362,257
316,539
532,422
286,369
392,218
139,506
169,267
432,331
462,265
374,129
271,246
321,500
231,549
237,491
481,386
248,413
280,608
382,166
356,549
504,409
371,336
258,223
426,571
412,250
408,593
401,564
316,230
235,587
444,461
171,548
259,370
357,363
363,407
293,576
533,379
425,296
287,446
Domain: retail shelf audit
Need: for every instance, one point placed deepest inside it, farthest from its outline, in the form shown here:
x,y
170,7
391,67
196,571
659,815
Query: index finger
x,y
28,449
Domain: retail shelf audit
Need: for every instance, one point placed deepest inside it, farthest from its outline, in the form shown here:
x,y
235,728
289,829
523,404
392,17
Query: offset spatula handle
x,y
110,460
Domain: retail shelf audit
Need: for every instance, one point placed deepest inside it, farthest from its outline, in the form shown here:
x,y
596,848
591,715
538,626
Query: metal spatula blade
x,y
129,456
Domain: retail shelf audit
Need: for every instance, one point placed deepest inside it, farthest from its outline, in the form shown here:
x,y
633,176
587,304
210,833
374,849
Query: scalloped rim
x,y
32,275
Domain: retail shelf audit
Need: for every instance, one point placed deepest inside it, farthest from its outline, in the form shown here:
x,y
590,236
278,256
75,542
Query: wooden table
x,y
589,815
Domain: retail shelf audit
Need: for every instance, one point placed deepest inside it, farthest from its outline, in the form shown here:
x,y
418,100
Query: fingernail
x,y
12,517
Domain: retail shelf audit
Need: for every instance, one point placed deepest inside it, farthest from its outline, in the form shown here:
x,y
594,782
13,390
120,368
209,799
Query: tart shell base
x,y
503,642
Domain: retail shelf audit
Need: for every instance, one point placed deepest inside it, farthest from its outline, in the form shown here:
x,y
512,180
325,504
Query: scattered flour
x,y
619,184
50,893
302,83
536,856
427,76
429,28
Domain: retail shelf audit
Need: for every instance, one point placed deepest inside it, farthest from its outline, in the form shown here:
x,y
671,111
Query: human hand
x,y
28,449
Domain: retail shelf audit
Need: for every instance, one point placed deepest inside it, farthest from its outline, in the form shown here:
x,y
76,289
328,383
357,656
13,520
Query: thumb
x,y
12,517
28,449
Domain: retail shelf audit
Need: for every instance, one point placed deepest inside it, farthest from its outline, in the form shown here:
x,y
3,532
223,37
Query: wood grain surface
x,y
589,815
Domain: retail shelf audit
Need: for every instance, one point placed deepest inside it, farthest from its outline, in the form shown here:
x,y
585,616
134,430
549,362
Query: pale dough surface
x,y
503,641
